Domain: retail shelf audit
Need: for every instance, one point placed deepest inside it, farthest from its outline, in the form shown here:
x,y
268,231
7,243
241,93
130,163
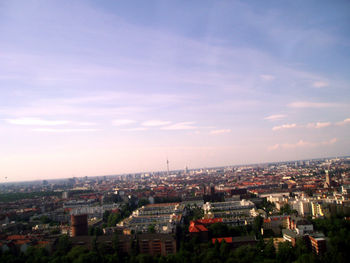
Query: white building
x,y
229,209
163,217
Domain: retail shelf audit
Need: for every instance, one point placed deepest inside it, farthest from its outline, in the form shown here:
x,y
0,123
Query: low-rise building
x,y
317,210
162,218
317,242
275,223
230,209
156,244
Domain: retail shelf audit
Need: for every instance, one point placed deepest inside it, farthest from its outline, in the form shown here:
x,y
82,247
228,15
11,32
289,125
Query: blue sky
x,y
108,87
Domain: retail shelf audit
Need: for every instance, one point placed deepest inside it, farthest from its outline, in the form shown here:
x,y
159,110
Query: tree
x,y
270,250
143,202
115,242
114,258
300,247
106,215
245,254
309,192
90,257
196,213
142,258
91,230
75,252
219,230
94,244
285,252
257,224
104,249
98,231
113,219
306,258
212,255
37,255
287,210
64,245
45,220
152,229
224,251
267,206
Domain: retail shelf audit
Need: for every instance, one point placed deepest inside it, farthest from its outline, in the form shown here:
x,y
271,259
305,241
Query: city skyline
x,y
175,172
93,88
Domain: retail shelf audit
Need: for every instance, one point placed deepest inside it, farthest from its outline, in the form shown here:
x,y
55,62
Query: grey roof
x,y
244,239
290,233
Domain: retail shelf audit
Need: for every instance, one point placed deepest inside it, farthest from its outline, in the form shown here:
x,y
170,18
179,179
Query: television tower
x,y
167,166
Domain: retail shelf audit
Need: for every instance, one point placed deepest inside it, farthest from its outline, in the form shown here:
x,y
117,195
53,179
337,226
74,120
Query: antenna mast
x,y
167,166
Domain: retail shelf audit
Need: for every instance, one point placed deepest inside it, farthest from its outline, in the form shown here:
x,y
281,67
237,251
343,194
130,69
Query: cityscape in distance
x,y
272,210
174,131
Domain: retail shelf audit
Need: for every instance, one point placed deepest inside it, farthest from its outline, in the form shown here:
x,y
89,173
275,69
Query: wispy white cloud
x,y
53,130
136,98
275,117
310,104
136,129
341,123
106,103
313,125
318,125
220,131
284,126
301,143
122,122
180,126
109,96
54,109
153,123
36,122
267,77
86,123
320,84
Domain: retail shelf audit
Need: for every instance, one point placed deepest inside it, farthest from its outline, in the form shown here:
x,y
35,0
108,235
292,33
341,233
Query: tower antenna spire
x,y
167,165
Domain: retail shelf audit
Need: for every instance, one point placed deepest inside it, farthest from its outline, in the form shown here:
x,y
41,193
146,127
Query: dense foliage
x,y
192,250
11,197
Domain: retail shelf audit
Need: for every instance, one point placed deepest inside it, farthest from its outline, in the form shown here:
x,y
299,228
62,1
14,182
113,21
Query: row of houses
x,y
161,218
20,243
147,243
236,213
312,206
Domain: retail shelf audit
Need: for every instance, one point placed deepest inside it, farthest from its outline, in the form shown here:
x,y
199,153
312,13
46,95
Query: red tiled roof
x,y
197,229
278,218
193,229
220,239
16,237
309,186
202,228
209,221
197,226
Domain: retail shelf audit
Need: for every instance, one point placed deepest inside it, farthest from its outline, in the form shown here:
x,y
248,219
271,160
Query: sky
x,y
92,88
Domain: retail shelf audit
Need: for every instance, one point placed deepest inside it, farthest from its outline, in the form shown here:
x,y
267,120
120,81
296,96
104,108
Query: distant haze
x,y
108,87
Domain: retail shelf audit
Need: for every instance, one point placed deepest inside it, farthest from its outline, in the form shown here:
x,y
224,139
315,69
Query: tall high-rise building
x,y
79,225
328,182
